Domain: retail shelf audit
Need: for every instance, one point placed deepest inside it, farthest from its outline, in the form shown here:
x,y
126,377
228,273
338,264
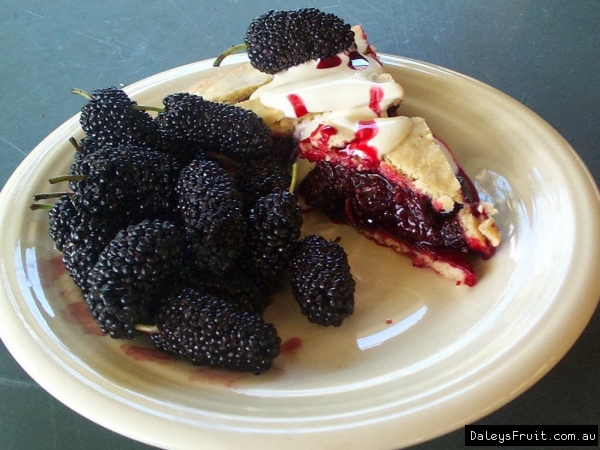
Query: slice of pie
x,y
382,172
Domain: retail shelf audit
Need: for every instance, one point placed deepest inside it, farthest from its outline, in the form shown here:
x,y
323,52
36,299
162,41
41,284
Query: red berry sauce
x,y
328,63
298,105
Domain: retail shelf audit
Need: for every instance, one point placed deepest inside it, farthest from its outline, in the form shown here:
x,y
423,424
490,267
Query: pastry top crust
x,y
231,83
419,158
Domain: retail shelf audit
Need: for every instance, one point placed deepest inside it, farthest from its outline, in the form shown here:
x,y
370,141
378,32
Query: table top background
x,y
546,54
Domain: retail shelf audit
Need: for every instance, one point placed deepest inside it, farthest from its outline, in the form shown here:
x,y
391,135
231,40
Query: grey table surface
x,y
546,54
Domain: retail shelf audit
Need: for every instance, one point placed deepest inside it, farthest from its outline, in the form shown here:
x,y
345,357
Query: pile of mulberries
x,y
182,225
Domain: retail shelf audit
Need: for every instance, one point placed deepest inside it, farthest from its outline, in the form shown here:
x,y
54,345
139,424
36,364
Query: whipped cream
x,y
366,138
350,82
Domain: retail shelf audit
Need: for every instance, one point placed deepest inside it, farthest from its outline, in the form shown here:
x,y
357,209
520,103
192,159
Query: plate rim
x,y
9,304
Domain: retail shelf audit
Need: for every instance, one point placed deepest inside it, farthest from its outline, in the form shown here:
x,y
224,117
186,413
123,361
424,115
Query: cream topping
x,y
361,137
345,81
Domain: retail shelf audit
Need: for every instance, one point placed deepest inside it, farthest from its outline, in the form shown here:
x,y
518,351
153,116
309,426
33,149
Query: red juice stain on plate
x,y
147,354
78,313
291,346
298,105
328,63
49,270
216,376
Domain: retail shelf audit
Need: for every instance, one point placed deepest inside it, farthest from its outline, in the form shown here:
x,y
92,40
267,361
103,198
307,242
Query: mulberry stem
x,y
48,195
147,329
75,144
294,178
61,178
229,51
148,108
82,93
36,206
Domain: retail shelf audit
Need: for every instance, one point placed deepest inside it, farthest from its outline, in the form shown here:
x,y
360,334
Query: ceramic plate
x,y
420,357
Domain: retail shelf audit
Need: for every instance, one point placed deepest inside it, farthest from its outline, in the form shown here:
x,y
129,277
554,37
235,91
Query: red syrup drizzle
x,y
376,95
316,147
325,134
367,130
298,105
328,63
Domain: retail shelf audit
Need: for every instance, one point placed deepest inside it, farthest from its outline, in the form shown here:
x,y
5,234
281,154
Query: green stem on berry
x,y
75,144
148,108
48,195
61,178
36,206
294,178
147,329
82,93
229,51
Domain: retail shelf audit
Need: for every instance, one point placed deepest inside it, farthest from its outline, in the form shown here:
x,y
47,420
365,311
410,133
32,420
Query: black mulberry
x,y
133,274
209,331
211,209
273,230
228,129
60,218
80,238
261,177
278,40
125,180
321,281
241,284
109,117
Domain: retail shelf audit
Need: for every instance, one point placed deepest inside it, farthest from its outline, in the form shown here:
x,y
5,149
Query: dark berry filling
x,y
370,202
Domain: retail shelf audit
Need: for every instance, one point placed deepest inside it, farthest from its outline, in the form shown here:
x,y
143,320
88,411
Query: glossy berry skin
x,y
133,274
60,218
261,177
274,224
321,281
278,40
211,209
125,180
210,331
217,127
109,118
80,238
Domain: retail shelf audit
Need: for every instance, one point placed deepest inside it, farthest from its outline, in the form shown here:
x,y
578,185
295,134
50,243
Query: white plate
x,y
419,358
